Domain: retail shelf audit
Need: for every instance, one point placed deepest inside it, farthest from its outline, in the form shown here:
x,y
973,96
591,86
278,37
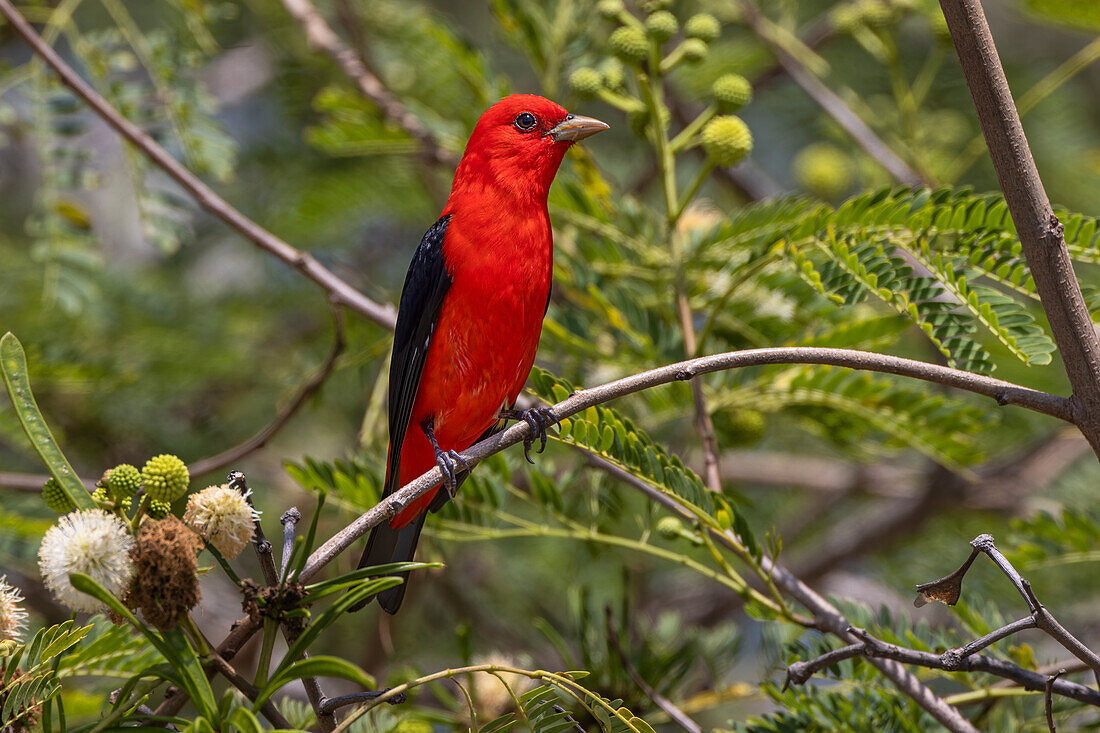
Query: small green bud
x,y
123,480
629,44
585,82
662,25
158,509
694,50
843,18
652,6
703,26
740,426
100,496
613,74
670,527
824,170
732,92
722,516
165,477
609,9
727,140
56,498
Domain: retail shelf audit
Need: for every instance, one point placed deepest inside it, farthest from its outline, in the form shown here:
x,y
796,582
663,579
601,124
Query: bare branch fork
x,y
966,658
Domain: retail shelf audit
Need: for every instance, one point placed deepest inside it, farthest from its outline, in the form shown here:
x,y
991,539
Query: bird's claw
x,y
451,464
540,419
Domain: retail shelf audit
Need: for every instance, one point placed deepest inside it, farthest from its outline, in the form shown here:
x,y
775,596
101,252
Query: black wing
x,y
426,284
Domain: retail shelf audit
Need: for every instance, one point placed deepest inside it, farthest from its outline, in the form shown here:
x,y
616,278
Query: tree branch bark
x,y
1039,230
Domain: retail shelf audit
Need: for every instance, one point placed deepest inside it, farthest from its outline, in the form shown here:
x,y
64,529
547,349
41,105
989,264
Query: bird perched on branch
x,y
471,312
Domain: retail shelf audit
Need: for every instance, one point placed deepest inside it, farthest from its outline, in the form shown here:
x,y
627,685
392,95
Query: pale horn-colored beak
x,y
576,127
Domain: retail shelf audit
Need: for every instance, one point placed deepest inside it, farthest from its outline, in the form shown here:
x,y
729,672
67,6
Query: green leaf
x,y
320,666
13,368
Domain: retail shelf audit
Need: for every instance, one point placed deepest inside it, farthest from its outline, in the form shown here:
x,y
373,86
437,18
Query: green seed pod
x,y
703,26
609,9
732,92
123,480
694,50
56,498
629,44
727,140
613,74
662,25
585,82
670,527
165,477
824,170
158,509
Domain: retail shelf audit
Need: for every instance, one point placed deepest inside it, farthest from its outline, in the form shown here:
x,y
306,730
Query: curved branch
x,y
339,291
1005,393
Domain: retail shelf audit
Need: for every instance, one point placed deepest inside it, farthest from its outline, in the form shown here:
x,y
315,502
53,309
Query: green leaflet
x,y
13,369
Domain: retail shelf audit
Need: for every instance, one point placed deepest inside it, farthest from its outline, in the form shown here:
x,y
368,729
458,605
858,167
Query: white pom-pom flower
x,y
223,516
93,543
13,619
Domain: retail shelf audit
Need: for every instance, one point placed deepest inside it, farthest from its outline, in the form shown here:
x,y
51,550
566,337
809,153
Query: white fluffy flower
x,y
13,619
223,516
92,542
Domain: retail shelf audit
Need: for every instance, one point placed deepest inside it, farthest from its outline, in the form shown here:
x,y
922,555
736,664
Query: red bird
x,y
471,311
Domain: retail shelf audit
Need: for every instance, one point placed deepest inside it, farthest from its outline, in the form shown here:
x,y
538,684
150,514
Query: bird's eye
x,y
525,122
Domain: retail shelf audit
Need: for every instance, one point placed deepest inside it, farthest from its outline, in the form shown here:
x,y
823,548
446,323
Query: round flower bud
x,y
223,516
670,527
727,140
585,82
662,25
703,26
609,8
158,509
652,6
123,480
629,43
613,74
694,50
824,170
165,477
732,92
100,496
56,498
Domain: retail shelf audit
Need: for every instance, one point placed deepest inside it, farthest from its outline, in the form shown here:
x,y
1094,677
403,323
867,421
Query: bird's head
x,y
518,144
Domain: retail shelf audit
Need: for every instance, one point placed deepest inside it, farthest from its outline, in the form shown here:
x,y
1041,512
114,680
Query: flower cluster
x,y
223,516
94,543
13,619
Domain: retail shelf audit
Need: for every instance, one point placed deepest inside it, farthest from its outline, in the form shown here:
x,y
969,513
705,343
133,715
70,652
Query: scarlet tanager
x,y
471,311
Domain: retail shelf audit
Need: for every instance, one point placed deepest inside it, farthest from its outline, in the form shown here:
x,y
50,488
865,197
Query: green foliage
x,y
818,710
29,672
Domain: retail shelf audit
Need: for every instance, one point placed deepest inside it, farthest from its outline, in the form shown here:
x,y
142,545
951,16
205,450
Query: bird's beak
x,y
576,127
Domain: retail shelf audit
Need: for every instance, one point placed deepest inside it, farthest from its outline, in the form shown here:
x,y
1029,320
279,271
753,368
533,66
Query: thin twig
x,y
268,708
289,520
340,291
238,482
1040,232
1049,701
321,37
332,704
674,713
260,439
833,105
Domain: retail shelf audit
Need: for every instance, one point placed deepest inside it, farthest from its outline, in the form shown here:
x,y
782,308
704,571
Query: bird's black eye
x,y
525,122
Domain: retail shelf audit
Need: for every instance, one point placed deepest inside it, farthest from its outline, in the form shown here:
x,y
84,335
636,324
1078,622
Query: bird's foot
x,y
451,464
540,419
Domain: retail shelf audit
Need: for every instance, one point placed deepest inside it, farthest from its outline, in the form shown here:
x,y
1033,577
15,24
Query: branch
x,y
321,37
268,708
876,649
1003,392
1039,230
833,105
339,291
826,616
260,439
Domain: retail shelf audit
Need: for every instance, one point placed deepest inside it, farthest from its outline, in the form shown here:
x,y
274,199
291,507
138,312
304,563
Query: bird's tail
x,y
386,545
